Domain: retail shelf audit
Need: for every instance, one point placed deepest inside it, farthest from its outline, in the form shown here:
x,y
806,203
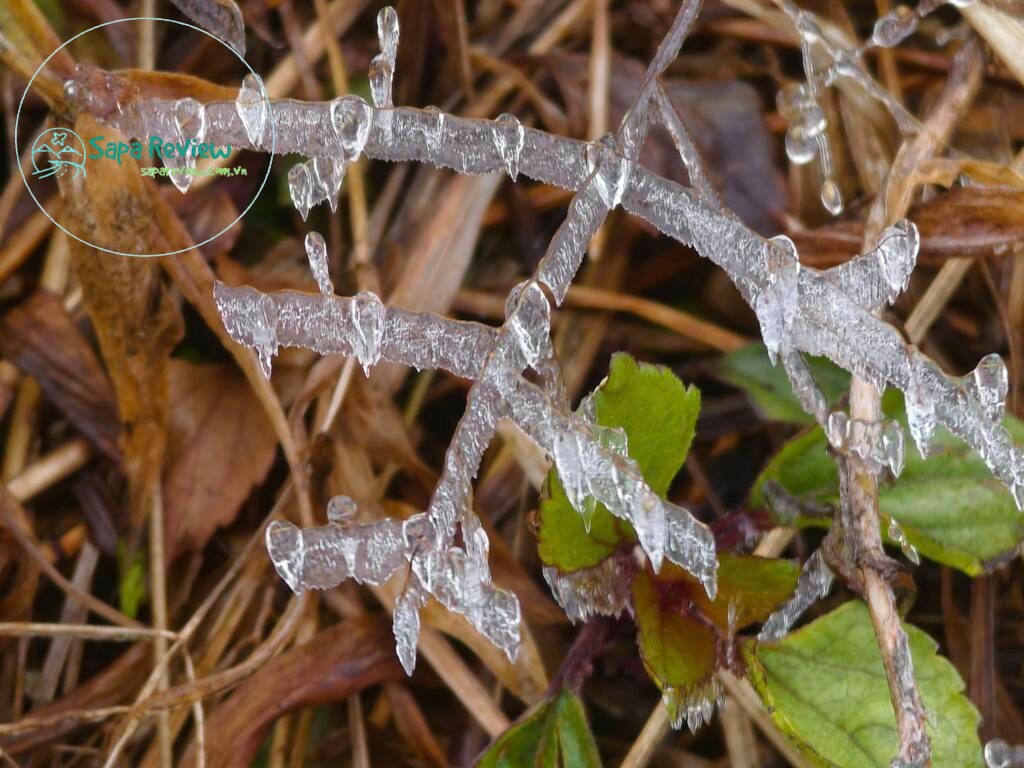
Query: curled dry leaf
x,y
219,446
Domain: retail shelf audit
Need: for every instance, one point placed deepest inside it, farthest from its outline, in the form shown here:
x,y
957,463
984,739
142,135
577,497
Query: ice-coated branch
x,y
800,310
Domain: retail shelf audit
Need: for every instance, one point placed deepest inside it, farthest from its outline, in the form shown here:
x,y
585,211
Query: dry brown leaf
x,y
135,319
41,339
334,664
219,446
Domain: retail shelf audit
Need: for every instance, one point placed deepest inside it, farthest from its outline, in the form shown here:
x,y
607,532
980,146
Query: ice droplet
x,y
252,108
351,117
190,130
367,312
831,197
893,28
612,170
509,136
316,251
381,76
800,147
300,187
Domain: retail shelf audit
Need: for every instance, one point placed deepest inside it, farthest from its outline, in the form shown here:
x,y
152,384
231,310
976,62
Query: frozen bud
x,y
351,117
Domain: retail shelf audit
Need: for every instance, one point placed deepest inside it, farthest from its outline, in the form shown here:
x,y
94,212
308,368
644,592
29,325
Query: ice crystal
x,y
801,311
694,707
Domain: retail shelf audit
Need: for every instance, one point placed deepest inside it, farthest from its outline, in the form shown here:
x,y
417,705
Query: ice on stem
x,y
878,444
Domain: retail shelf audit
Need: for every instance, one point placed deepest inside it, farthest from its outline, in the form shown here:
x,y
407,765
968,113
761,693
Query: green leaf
x,y
679,627
132,568
659,417
825,687
949,505
749,369
555,733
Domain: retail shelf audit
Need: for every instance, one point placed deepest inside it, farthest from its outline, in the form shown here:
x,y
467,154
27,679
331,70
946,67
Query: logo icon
x,y
57,152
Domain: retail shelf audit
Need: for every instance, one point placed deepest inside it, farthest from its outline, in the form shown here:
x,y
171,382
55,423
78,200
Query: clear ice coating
x,y
253,109
802,311
814,583
509,136
316,252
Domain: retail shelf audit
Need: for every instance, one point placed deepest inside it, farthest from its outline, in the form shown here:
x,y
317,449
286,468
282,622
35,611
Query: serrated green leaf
x,y
659,417
749,369
679,627
554,734
826,689
949,505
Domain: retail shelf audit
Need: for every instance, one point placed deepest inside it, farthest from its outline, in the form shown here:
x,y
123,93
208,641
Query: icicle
x,y
351,117
899,537
601,590
381,76
695,708
300,187
250,318
897,251
777,303
190,131
328,174
316,251
814,583
990,384
509,136
406,622
878,444
368,318
253,109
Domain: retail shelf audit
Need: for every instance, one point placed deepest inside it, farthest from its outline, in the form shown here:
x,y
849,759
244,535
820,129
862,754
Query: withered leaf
x,y
41,339
219,445
334,664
